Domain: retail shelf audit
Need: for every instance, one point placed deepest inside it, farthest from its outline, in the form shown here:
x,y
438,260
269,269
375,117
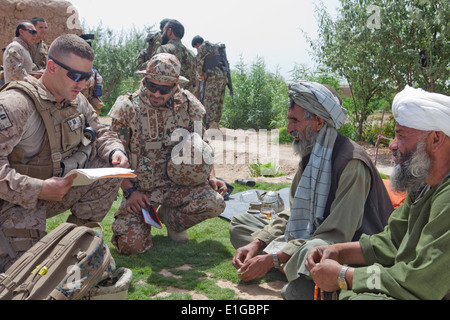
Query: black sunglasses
x,y
73,74
153,87
33,32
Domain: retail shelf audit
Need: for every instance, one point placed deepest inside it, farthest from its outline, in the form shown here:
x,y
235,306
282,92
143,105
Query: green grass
x,y
208,251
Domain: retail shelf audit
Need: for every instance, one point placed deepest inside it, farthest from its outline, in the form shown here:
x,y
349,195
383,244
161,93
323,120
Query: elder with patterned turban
x,y
409,259
185,189
336,195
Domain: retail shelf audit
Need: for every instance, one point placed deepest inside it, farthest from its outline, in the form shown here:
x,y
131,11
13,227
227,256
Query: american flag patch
x,y
5,123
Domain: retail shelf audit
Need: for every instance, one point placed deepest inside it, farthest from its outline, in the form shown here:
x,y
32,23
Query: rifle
x,y
227,69
201,91
201,98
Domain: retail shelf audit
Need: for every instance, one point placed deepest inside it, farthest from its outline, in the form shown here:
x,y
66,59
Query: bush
x,y
259,99
371,132
284,136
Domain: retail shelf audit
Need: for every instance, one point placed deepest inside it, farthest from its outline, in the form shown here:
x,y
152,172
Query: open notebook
x,y
88,176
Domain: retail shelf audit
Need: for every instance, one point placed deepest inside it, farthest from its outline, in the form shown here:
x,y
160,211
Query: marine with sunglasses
x,y
48,128
17,61
147,122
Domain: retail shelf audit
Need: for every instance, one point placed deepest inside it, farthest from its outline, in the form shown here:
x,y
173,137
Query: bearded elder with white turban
x,y
336,195
409,259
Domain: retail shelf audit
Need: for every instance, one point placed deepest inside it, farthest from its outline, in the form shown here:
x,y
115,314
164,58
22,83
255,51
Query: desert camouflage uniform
x,y
22,215
95,101
17,61
147,53
187,60
215,84
147,131
39,54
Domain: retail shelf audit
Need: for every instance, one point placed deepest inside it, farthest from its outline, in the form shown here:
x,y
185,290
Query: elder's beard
x,y
412,170
304,145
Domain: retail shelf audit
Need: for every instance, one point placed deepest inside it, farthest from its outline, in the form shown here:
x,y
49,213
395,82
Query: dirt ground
x,y
238,153
234,150
252,291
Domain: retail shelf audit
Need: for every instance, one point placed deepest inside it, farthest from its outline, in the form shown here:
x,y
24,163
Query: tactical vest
x,y
215,59
65,147
151,139
378,206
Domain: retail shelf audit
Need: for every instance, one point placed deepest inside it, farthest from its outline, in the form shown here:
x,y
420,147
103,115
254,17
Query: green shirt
x,y
344,220
410,259
354,186
186,58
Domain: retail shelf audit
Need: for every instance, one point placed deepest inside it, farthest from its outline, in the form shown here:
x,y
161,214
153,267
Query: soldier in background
x,y
17,62
94,91
154,42
212,73
39,49
146,121
173,32
94,86
2,73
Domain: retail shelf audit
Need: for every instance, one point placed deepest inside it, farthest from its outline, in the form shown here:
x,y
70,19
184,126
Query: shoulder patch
x,y
5,123
13,53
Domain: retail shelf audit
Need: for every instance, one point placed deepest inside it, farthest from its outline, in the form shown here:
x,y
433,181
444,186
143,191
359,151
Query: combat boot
x,y
179,237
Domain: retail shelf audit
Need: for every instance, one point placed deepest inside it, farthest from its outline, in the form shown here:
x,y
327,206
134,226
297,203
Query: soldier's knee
x,y
127,245
131,234
218,208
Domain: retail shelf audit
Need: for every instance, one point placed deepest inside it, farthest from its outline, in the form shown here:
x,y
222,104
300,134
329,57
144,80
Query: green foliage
x,y
259,98
379,62
115,59
284,136
372,132
258,169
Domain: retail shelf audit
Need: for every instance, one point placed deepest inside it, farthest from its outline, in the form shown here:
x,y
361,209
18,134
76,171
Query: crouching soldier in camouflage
x,y
44,130
147,122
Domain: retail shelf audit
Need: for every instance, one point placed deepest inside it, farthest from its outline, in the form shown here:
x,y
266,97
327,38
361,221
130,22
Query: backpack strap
x,y
43,107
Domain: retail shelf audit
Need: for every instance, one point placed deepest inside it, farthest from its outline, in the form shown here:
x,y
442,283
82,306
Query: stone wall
x,y
61,18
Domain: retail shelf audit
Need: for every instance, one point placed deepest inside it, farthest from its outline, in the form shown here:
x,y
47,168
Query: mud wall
x,y
61,17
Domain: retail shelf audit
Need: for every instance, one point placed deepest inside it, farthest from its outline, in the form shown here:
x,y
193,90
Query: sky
x,y
249,28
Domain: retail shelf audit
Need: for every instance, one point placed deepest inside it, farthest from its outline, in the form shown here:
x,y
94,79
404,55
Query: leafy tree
x,y
376,45
254,98
115,59
414,35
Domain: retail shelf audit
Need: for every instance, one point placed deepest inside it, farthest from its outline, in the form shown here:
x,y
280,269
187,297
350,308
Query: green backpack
x,y
64,265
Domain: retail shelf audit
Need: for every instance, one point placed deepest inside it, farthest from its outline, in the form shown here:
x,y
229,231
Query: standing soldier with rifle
x,y
154,40
213,72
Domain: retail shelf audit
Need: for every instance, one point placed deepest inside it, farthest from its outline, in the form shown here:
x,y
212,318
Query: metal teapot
x,y
272,199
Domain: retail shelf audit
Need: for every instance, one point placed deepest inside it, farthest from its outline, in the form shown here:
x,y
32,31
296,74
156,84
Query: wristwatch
x,y
341,279
127,192
276,263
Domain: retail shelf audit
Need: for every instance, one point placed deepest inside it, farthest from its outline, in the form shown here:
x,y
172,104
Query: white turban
x,y
422,110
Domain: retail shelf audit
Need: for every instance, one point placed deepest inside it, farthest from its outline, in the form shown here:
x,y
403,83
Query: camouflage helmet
x,y
164,67
191,161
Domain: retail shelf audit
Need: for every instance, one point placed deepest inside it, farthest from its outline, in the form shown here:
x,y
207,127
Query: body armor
x,y
65,147
154,137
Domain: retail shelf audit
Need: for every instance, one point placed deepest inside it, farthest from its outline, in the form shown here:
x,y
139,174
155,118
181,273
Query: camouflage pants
x,y
24,227
213,98
181,208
